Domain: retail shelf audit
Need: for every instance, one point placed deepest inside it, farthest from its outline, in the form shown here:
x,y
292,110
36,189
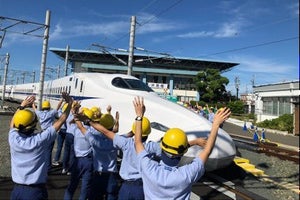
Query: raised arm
x,y
116,126
220,117
58,123
95,125
59,104
82,129
198,141
34,107
25,103
108,109
139,107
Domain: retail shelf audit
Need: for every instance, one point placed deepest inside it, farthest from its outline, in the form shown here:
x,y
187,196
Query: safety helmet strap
x,y
180,149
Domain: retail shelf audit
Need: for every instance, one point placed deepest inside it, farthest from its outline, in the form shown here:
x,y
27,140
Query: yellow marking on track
x,y
250,168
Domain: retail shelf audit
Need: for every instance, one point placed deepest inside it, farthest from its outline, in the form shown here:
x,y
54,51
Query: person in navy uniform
x,y
105,176
69,154
46,118
60,138
82,168
29,151
165,179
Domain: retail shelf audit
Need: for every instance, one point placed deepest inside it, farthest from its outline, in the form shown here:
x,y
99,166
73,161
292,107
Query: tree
x,y
211,85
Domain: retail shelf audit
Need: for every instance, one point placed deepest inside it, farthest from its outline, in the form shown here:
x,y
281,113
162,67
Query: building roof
x,y
162,61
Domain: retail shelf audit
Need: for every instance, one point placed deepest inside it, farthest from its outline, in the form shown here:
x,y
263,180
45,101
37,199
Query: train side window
x,y
69,89
81,86
76,82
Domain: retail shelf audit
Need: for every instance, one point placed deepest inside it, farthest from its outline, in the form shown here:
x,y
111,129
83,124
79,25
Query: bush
x,y
282,123
236,107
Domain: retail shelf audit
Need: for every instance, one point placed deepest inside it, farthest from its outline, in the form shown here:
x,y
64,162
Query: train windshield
x,y
132,84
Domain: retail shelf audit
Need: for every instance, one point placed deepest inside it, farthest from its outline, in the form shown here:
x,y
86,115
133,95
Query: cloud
x,y
145,24
260,65
228,30
294,8
225,30
82,29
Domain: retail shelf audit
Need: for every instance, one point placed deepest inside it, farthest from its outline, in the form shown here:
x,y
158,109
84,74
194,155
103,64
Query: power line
x,y
149,20
160,13
252,46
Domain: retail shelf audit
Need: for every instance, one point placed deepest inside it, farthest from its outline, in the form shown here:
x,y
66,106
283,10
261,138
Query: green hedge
x,y
282,123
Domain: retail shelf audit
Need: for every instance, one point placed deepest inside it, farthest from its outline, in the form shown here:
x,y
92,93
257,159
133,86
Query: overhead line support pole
x,y
131,45
66,60
44,58
4,79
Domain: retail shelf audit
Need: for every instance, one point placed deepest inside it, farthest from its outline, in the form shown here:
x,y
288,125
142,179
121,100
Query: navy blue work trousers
x,y
60,143
105,186
32,192
82,169
69,154
132,190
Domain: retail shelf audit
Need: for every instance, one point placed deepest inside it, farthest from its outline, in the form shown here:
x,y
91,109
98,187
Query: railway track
x,y
269,148
226,188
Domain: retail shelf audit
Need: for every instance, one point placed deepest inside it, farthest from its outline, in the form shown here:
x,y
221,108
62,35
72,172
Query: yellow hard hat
x,y
220,110
146,128
24,120
97,113
107,120
175,142
46,105
87,112
95,109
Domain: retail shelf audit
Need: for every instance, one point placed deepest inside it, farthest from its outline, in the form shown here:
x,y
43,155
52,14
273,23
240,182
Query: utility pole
x,y
44,58
33,76
4,79
237,86
67,60
58,71
131,45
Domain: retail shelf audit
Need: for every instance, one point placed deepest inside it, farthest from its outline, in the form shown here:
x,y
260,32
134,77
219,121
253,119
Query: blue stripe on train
x,y
56,96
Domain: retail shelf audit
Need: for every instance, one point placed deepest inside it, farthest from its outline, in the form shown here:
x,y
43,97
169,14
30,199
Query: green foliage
x,y
211,85
282,123
236,107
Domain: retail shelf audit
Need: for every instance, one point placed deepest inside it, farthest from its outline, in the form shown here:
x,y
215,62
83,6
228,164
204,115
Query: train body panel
x,y
119,90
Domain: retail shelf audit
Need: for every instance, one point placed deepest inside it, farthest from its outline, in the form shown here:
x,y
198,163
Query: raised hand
x,y
139,106
28,101
221,116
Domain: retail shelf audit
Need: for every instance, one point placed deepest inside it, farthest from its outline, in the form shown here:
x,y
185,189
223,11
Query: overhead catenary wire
x,y
148,20
251,46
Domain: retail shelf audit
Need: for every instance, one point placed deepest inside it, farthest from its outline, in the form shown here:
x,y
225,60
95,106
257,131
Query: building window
x,y
276,106
284,106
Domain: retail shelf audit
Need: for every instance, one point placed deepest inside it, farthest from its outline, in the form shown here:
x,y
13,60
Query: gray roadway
x,y
289,139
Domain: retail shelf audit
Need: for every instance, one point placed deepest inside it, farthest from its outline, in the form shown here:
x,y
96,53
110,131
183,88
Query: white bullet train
x,y
119,90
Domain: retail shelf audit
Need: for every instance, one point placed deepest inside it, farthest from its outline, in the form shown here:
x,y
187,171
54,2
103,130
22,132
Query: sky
x,y
261,35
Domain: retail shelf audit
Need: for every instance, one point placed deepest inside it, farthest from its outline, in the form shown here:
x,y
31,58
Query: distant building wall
x,y
274,100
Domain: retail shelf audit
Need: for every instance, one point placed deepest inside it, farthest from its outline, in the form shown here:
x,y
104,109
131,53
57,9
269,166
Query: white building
x,y
274,100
